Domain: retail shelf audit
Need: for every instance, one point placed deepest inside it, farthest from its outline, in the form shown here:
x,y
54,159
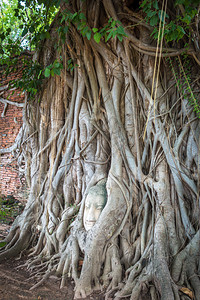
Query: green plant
x,y
33,19
53,69
184,81
9,209
179,28
78,19
111,30
174,29
30,78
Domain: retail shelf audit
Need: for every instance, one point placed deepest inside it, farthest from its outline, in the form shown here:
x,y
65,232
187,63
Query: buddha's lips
x,y
90,223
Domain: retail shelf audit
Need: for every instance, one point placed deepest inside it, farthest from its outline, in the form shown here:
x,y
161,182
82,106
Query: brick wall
x,y
10,124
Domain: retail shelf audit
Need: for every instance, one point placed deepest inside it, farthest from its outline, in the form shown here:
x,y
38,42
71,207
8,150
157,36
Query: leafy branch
x,y
175,29
113,29
53,69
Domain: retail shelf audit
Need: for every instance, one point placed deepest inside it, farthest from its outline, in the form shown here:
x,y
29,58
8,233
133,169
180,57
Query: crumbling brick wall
x,y
10,124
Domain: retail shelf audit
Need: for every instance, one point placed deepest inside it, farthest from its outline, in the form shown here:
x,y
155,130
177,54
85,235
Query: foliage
x,y
176,28
184,81
9,209
53,69
78,19
31,73
23,25
32,21
113,29
9,34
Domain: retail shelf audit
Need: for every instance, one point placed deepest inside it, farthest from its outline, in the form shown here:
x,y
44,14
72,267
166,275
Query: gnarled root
x,y
18,238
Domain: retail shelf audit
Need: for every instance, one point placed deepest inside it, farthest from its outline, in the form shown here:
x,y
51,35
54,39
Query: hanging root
x,y
88,126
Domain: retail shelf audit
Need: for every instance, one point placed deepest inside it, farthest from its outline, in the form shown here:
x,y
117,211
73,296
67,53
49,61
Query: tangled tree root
x,y
88,127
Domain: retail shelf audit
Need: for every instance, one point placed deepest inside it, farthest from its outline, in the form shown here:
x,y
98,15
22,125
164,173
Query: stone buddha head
x,y
94,204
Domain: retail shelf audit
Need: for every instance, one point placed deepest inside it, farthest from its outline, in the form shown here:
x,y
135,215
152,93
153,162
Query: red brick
x,y
10,183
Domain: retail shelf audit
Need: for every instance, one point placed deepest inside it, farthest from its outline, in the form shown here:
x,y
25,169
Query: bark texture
x,y
121,116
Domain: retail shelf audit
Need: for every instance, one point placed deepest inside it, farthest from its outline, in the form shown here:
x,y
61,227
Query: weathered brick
x,y
10,124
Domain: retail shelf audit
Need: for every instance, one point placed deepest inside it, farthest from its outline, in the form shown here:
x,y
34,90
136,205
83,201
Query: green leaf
x,y
187,19
109,36
42,35
88,34
162,15
181,29
151,13
47,72
66,28
2,244
120,30
56,65
31,29
24,32
155,33
172,36
16,12
74,16
85,30
155,4
81,26
47,34
57,71
154,20
9,30
39,74
179,2
113,24
82,16
63,18
2,36
120,37
97,37
143,3
94,29
70,67
114,33
57,3
52,73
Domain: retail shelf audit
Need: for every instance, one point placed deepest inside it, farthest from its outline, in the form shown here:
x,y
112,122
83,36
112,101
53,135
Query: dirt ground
x,y
14,283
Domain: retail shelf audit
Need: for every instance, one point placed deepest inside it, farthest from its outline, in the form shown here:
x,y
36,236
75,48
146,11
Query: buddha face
x,y
94,205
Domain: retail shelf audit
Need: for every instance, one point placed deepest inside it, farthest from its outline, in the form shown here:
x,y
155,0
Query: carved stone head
x,y
94,204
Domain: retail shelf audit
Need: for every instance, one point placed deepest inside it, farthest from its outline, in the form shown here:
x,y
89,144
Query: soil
x,y
15,282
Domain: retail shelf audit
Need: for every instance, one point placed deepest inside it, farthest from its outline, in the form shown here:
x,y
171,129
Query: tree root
x,y
20,244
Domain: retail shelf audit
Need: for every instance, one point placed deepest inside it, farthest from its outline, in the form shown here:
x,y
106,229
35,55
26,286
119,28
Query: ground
x,y
15,280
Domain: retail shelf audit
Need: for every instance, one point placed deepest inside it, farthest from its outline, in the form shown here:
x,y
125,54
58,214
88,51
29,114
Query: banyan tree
x,y
114,133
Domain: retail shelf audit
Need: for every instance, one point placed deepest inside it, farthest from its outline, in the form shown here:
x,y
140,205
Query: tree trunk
x,y
118,116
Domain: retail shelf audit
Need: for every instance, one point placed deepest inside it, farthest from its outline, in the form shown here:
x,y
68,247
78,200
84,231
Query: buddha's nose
x,y
91,214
